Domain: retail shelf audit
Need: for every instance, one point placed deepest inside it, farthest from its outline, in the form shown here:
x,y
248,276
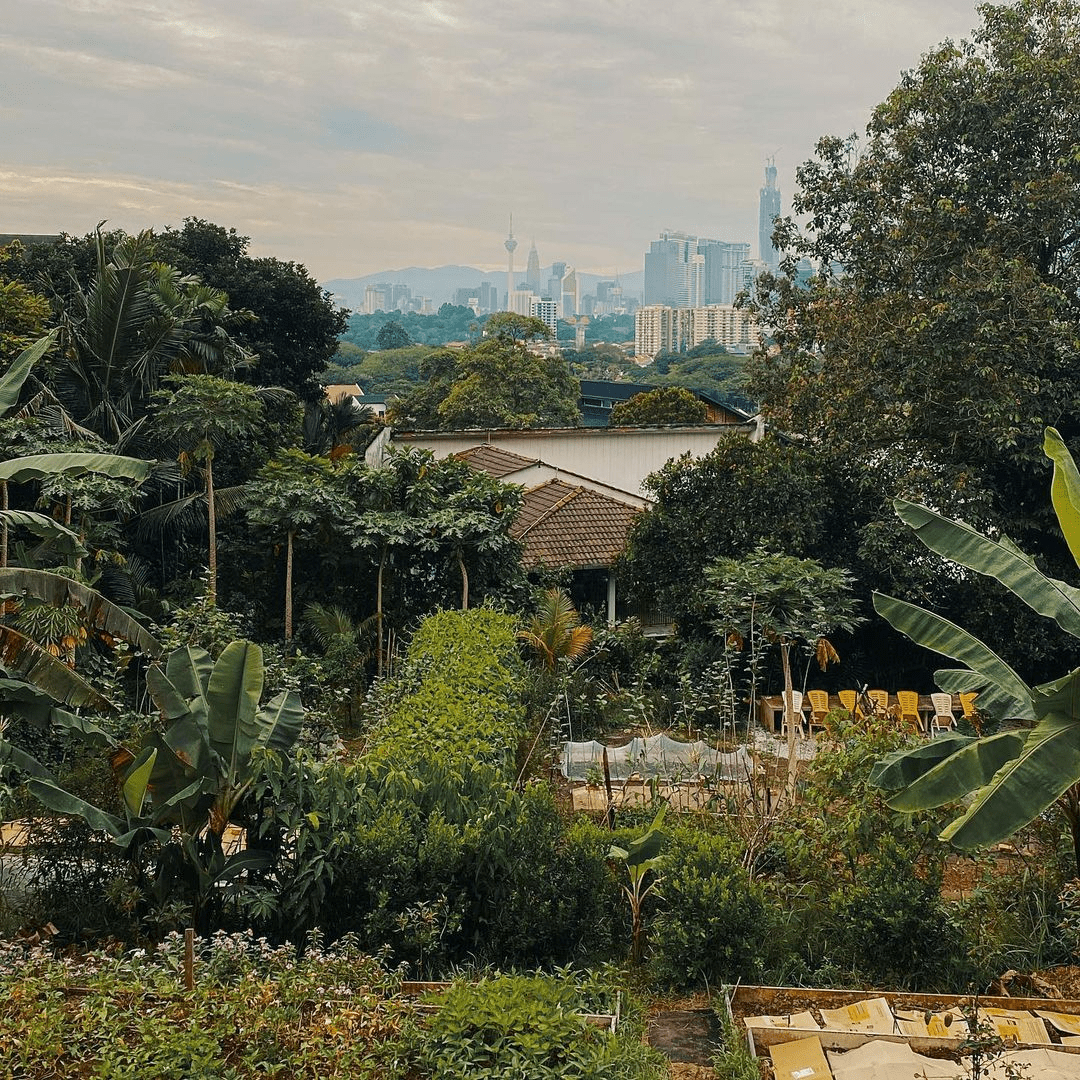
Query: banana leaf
x,y
26,701
970,768
1023,787
11,383
24,762
233,696
64,541
63,802
903,767
1001,560
1064,490
280,721
42,466
137,780
59,590
1006,695
25,657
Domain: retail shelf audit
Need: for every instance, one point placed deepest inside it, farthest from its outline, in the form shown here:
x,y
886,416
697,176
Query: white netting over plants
x,y
659,756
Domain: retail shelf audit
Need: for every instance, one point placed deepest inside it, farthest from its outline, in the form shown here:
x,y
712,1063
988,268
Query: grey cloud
x,y
356,135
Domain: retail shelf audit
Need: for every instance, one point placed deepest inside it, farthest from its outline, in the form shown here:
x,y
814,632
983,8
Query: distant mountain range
x,y
441,282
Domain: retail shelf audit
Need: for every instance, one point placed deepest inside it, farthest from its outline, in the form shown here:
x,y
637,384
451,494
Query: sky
x,y
355,135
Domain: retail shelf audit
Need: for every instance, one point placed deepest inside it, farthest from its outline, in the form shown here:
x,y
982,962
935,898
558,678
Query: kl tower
x,y
510,244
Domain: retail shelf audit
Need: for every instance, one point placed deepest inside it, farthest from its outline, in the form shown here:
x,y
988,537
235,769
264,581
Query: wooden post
x,y
610,815
189,959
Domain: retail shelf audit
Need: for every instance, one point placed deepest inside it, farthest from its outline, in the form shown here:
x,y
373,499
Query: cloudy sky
x,y
357,135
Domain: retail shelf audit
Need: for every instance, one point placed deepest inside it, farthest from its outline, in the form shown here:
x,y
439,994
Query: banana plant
x,y
641,856
1007,779
193,775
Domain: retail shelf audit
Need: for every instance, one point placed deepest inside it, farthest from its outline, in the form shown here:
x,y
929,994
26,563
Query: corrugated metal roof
x,y
567,526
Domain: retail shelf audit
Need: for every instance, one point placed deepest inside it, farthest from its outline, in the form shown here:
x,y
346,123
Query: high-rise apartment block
x,y
661,328
684,271
768,212
545,309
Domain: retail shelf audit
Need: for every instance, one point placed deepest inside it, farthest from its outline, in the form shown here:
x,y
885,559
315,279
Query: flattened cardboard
x,y
871,1014
881,1060
802,1020
1016,1025
800,1060
940,1025
1066,1023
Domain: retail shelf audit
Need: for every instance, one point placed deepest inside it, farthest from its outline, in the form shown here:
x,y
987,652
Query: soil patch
x,y
685,1035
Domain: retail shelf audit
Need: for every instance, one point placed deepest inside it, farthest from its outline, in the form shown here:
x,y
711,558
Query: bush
x,y
530,1028
713,926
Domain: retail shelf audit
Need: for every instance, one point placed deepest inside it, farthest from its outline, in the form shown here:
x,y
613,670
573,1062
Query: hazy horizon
x,y
359,138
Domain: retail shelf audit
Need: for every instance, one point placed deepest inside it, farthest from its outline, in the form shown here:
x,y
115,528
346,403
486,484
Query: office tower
x,y
400,297
696,279
545,309
769,211
510,244
667,270
555,281
489,297
532,271
721,281
378,298
569,293
520,301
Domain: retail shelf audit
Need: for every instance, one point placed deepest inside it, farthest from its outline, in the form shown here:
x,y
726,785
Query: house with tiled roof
x,y
566,522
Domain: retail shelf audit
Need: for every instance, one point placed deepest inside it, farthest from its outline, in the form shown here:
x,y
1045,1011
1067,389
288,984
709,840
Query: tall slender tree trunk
x,y
378,611
464,583
4,524
789,712
288,585
211,517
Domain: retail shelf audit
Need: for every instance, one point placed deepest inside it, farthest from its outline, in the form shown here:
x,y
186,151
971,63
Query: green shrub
x,y
713,927
529,1028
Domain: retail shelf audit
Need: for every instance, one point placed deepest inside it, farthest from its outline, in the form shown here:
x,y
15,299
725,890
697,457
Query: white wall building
x,y
659,328
546,309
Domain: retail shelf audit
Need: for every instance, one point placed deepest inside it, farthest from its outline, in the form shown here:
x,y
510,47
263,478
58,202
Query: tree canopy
x,y
940,332
496,383
664,405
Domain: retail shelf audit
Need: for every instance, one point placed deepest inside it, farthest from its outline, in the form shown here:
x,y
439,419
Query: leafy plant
x,y
641,856
1018,773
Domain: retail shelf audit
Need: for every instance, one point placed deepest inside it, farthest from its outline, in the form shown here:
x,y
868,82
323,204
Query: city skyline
x,y
361,137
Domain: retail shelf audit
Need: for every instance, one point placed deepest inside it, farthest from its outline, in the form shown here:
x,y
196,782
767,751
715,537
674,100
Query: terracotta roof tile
x,y
565,526
494,460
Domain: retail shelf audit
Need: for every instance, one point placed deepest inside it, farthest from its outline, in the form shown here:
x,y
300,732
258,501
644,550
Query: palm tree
x,y
555,632
200,412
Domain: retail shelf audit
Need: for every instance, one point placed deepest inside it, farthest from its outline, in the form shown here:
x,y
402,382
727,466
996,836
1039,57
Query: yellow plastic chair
x,y
797,718
819,709
909,709
880,698
943,714
849,699
967,703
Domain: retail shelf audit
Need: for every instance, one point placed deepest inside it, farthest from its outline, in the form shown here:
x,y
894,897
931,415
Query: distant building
x,y
686,271
532,270
558,269
659,328
569,294
378,298
768,212
546,309
520,302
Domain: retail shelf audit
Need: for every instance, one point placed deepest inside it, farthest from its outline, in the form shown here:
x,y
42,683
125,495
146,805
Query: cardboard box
x,y
800,1060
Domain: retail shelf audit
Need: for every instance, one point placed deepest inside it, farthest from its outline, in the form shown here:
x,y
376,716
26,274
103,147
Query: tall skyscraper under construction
x,y
768,212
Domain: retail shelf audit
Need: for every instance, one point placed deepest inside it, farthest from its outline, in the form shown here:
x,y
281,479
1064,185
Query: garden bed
x,y
776,1001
